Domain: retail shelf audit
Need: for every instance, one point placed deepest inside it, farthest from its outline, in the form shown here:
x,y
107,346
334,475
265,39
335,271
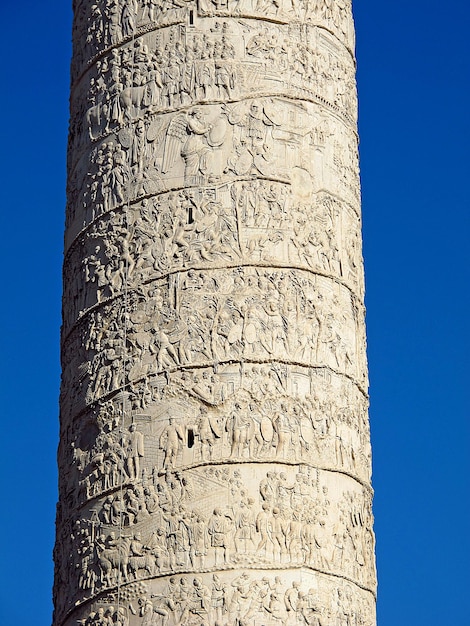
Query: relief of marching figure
x,y
218,517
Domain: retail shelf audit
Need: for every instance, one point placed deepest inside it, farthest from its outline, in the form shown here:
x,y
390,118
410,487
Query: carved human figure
x,y
95,271
283,429
129,12
148,610
309,610
218,599
263,527
245,526
201,598
241,595
291,597
170,442
277,528
178,539
267,488
207,432
167,354
294,538
199,541
195,151
219,528
239,425
159,548
134,442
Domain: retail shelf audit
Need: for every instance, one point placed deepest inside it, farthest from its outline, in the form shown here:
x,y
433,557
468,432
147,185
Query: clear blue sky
x,y
413,72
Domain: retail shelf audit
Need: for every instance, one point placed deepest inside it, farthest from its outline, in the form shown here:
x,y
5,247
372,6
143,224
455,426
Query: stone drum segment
x,y
214,452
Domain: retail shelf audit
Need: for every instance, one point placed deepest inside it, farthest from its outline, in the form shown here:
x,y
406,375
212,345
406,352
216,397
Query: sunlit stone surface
x,y
215,455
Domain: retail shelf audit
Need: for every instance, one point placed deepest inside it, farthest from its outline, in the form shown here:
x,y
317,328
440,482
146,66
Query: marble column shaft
x,y
215,456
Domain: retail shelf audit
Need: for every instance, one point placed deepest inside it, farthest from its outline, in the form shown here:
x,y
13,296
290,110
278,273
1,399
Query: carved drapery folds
x,y
215,452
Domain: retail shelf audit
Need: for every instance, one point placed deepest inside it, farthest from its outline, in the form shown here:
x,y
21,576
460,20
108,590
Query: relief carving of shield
x,y
243,163
306,430
267,430
217,133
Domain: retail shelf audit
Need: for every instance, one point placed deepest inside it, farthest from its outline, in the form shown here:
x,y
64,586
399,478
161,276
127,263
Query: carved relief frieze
x,y
241,413
179,67
256,222
215,449
191,320
236,597
213,146
332,15
220,518
102,26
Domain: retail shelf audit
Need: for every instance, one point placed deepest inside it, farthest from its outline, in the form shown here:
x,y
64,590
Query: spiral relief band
x,y
215,455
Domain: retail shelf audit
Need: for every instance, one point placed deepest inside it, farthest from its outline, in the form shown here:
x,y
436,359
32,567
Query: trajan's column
x,y
214,455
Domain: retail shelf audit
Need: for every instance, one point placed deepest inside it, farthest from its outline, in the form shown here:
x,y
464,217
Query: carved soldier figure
x,y
219,527
218,599
291,597
239,425
170,441
134,442
283,430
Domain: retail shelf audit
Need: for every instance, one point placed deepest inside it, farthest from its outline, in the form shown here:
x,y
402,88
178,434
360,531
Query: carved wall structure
x,y
214,456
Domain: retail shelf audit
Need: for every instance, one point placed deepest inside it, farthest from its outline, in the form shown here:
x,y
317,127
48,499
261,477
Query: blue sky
x,y
413,72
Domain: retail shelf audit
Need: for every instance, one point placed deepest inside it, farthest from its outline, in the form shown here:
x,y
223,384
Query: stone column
x,y
214,454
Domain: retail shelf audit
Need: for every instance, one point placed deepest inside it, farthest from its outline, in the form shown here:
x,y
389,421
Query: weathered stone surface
x,y
215,456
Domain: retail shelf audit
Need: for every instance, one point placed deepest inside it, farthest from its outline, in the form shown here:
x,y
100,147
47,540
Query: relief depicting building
x,y
215,452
